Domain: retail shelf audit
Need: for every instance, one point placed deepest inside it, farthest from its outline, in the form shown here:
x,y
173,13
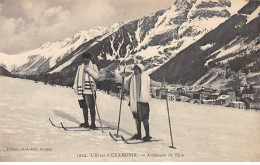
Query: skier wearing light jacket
x,y
138,85
86,75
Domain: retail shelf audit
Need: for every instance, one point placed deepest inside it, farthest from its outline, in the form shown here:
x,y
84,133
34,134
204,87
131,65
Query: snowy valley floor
x,y
200,132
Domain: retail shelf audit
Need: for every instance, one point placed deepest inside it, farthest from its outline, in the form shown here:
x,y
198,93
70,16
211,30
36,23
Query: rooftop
x,y
223,97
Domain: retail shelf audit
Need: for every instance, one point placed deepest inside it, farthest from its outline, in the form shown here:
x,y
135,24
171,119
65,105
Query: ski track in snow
x,y
200,132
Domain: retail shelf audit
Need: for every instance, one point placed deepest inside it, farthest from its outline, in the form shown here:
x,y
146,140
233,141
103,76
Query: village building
x,y
181,90
198,96
223,100
254,104
256,88
208,102
241,88
213,96
248,95
237,104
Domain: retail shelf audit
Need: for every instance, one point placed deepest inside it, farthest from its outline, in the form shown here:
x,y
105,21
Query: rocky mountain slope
x,y
153,40
4,72
229,52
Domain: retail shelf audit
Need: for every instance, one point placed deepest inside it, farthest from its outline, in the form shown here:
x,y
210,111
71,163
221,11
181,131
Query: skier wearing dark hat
x,y
84,85
138,85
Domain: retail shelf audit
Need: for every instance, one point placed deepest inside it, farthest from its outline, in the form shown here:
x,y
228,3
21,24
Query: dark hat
x,y
140,66
86,55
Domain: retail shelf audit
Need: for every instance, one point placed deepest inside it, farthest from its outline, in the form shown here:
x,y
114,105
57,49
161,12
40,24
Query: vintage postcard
x,y
129,81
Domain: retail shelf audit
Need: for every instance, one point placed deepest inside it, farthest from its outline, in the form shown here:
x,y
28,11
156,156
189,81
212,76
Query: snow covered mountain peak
x,y
49,53
205,15
152,39
78,38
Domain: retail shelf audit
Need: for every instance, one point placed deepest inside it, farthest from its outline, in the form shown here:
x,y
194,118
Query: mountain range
x,y
193,42
223,56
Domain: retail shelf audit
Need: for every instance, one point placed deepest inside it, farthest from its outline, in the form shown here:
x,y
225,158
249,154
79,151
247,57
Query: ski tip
x,y
63,126
122,137
111,135
51,122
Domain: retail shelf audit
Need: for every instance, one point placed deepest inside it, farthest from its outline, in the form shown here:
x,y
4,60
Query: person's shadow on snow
x,y
66,116
74,120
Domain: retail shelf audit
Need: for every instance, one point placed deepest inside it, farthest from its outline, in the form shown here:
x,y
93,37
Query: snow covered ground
x,y
200,132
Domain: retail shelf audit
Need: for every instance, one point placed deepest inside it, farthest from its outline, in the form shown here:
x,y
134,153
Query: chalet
x,y
241,88
256,88
252,103
208,102
204,93
247,95
223,100
255,104
237,104
181,90
198,96
213,96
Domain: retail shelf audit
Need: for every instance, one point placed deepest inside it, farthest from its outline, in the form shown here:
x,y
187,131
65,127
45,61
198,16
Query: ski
x,y
53,124
113,137
61,126
132,141
76,128
82,128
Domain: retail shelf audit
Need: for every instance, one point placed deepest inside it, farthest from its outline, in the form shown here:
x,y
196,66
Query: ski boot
x,y
93,126
84,125
136,137
147,138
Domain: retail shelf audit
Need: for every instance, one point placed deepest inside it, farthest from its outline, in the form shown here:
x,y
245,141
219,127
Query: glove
x,y
123,75
88,70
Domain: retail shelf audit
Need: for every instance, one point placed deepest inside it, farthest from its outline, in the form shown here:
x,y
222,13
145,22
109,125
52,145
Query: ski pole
x,y
121,99
169,117
95,104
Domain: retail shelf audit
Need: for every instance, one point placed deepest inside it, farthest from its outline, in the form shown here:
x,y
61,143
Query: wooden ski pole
x,y
169,119
121,99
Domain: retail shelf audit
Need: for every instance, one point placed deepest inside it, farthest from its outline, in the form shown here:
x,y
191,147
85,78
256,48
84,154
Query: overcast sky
x,y
27,24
